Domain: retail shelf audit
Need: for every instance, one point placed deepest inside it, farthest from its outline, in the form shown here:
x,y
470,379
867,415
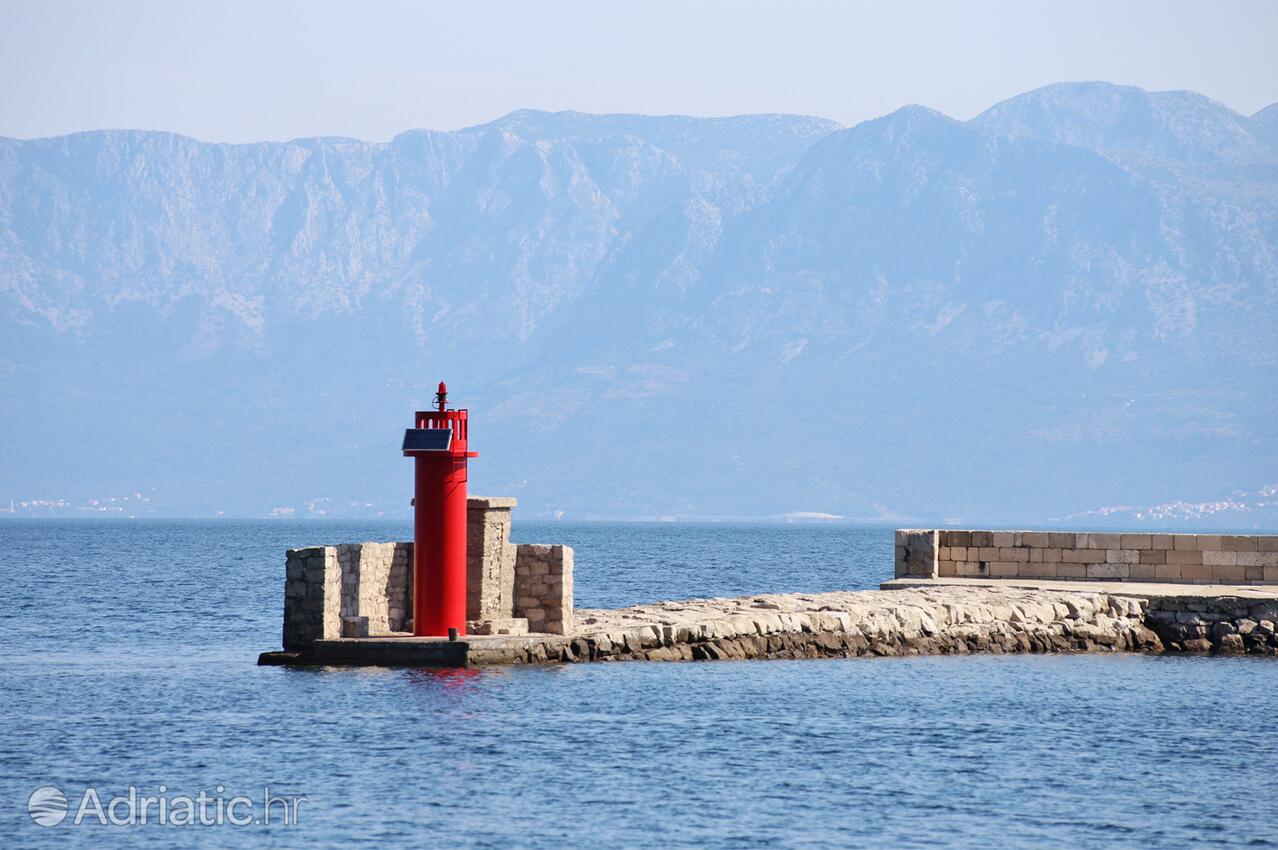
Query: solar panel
x,y
427,439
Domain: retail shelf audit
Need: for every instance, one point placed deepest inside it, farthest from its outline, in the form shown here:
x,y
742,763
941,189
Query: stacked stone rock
x,y
543,587
1094,556
944,620
1226,625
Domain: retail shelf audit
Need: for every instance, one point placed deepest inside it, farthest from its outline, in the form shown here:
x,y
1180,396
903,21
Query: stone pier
x,y
333,606
949,618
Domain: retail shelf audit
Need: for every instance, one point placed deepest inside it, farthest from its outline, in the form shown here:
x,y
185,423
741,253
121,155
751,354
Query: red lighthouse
x,y
437,444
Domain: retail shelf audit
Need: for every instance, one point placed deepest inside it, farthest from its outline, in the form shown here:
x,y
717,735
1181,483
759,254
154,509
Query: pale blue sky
x,y
249,71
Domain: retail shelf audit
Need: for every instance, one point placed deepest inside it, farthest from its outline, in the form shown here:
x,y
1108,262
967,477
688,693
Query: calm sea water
x,y
128,657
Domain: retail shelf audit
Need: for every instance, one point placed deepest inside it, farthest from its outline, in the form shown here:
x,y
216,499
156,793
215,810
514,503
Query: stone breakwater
x,y
940,619
955,592
845,624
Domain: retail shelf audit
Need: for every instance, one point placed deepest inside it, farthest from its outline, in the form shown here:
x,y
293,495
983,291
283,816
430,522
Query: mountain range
x,y
1063,308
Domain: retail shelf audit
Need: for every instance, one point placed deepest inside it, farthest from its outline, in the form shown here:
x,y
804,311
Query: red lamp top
x,y
439,431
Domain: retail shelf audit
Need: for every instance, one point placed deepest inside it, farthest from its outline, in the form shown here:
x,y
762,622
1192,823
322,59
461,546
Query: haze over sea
x,y
130,661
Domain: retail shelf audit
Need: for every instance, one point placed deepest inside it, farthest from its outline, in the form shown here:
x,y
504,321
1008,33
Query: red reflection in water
x,y
449,678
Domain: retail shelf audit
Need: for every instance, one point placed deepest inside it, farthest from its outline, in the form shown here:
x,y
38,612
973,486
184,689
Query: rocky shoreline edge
x,y
918,620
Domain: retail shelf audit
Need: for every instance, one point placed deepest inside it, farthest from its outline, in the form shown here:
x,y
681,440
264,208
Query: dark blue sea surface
x,y
128,659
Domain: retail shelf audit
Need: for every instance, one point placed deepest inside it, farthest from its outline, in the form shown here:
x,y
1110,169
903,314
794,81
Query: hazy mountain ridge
x,y
321,224
1264,124
1097,261
1124,121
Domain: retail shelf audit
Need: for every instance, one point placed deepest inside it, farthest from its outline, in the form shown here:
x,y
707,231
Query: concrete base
x,y
1139,589
410,651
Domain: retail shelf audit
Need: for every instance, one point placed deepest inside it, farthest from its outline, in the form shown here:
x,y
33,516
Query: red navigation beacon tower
x,y
437,445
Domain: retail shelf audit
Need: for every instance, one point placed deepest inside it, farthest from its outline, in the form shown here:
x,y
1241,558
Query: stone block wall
x,y
312,596
351,590
490,558
916,551
366,589
1089,556
543,587
376,587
